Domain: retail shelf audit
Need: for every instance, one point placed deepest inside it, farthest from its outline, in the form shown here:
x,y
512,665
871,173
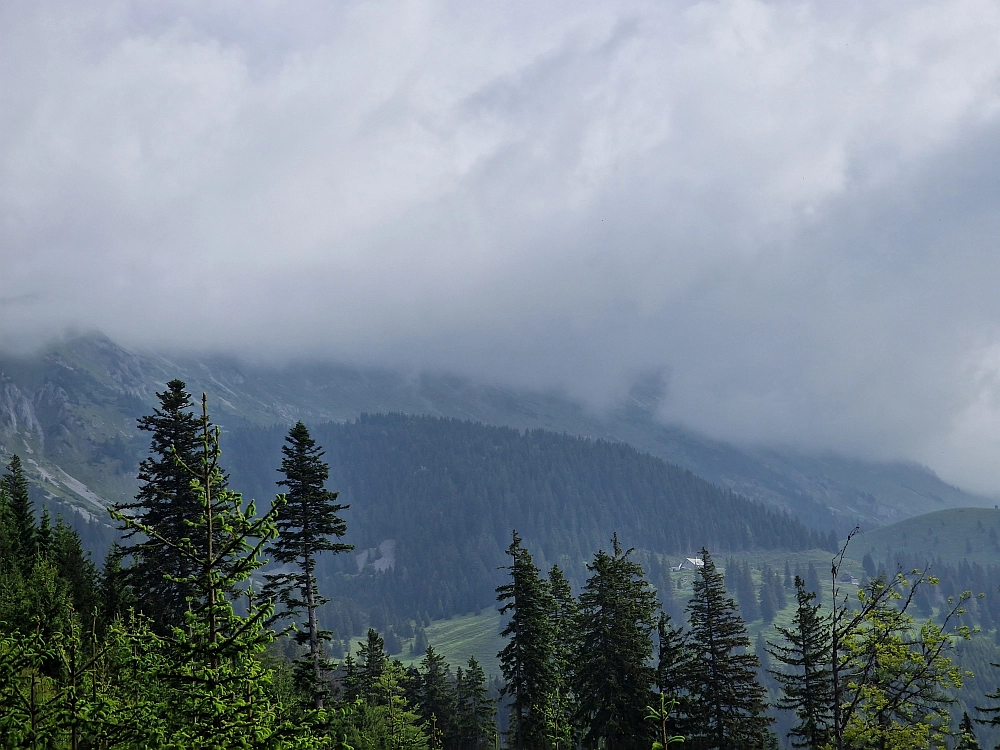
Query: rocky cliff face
x,y
18,420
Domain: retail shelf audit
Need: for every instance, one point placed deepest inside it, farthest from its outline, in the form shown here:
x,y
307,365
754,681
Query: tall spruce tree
x,y
167,504
526,662
438,702
214,682
22,512
727,704
374,661
613,678
477,725
807,680
308,525
565,638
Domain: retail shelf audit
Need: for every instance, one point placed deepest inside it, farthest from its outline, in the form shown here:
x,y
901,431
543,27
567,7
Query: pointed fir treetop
x,y
966,734
613,678
727,704
309,522
22,509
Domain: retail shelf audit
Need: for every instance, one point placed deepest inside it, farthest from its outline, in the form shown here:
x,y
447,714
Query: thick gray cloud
x,y
787,207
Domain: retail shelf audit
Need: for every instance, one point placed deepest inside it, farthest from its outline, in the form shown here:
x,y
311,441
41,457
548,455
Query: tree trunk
x,y
313,633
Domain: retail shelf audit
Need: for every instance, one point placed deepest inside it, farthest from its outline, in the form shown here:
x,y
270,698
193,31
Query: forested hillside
x,y
448,492
173,642
70,411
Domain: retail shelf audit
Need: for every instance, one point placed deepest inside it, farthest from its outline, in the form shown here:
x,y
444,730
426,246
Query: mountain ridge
x,y
71,409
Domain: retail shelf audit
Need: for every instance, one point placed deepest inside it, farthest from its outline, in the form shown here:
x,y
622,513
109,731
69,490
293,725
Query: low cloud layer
x,y
789,208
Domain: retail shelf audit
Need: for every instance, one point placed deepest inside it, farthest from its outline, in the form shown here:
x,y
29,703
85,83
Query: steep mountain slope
x,y
71,411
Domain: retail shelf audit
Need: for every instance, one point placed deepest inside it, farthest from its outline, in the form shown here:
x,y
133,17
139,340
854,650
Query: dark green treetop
x,y
727,704
308,525
526,662
477,725
22,511
166,503
806,677
613,678
966,734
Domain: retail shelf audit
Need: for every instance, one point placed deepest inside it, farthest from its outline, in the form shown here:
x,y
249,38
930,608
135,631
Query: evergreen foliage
x,y
806,677
673,666
475,711
812,583
527,661
79,668
566,639
727,704
307,525
966,734
165,505
448,492
437,703
215,684
740,582
20,512
613,680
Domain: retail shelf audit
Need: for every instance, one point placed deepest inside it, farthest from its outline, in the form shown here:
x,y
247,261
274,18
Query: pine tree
x,y
374,661
477,726
727,704
419,643
437,702
776,588
75,567
167,504
114,596
806,684
214,682
613,680
768,603
966,734
740,581
565,639
384,720
526,662
8,539
869,565
22,513
307,526
43,534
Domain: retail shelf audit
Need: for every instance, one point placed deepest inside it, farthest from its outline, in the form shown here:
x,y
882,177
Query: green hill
x,y
951,535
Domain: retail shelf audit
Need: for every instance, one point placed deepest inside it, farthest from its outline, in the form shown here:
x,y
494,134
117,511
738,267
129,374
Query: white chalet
x,y
689,563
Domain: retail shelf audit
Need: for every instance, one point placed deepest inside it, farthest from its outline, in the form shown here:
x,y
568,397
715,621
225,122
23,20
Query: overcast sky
x,y
790,209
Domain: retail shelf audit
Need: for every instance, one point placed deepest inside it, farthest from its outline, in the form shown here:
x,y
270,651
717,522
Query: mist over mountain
x,y
788,211
71,413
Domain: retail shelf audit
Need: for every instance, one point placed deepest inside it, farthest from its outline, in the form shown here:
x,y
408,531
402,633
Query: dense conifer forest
x,y
447,492
185,637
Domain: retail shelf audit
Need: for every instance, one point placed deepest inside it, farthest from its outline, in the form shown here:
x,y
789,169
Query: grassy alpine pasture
x,y
478,635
